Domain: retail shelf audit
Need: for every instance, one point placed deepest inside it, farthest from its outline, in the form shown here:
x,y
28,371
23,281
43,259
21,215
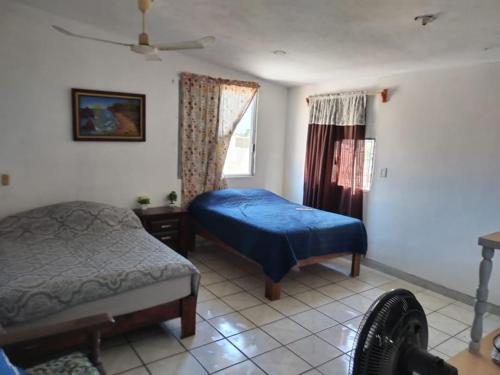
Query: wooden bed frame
x,y
30,352
184,308
273,290
90,327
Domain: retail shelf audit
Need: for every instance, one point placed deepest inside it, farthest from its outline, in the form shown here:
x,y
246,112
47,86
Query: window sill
x,y
237,176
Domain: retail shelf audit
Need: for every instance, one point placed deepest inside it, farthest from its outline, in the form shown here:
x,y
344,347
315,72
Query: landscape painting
x,y
108,116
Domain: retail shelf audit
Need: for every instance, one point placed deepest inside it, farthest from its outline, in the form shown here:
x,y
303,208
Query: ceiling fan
x,y
144,47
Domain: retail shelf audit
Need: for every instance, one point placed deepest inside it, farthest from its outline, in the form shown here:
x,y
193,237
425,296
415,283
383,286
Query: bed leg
x,y
355,265
190,236
273,290
188,316
95,351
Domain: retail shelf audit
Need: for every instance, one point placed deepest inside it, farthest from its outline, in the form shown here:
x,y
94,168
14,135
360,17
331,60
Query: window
x,y
368,163
361,151
241,153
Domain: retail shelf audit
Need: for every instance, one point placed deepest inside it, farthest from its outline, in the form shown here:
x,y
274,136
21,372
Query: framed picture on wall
x,y
108,116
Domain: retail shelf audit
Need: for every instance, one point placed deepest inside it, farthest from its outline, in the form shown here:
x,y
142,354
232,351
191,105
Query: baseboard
x,y
459,296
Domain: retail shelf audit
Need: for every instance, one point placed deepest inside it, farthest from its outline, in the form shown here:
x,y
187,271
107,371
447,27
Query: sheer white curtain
x,y
234,102
343,109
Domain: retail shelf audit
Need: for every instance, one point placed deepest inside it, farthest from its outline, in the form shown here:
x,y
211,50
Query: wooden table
x,y
490,243
468,363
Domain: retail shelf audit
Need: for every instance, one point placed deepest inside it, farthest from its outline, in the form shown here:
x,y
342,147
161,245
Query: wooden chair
x,y
28,348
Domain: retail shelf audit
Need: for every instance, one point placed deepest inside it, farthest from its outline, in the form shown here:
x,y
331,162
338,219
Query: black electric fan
x,y
392,339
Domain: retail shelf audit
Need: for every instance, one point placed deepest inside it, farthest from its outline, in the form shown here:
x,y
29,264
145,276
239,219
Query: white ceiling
x,y
324,39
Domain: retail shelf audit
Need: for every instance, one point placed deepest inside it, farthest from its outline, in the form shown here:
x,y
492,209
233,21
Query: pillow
x,y
67,220
7,368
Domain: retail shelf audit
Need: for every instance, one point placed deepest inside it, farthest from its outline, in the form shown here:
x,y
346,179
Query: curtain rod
x,y
186,75
384,95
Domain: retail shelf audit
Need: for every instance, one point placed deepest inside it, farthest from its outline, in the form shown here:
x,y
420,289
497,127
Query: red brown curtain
x,y
333,174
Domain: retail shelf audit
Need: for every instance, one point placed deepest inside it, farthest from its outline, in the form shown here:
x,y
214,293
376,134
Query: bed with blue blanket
x,y
276,233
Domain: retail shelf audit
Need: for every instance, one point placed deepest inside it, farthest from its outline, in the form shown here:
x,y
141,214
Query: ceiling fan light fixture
x,y
143,49
426,18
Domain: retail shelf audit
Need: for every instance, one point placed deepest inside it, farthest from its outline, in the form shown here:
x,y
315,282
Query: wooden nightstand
x,y
169,224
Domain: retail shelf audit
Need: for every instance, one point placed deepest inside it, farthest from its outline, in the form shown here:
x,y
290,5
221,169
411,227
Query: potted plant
x,y
143,201
172,197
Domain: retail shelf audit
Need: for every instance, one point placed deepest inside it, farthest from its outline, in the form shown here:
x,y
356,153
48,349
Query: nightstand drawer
x,y
170,225
164,225
167,236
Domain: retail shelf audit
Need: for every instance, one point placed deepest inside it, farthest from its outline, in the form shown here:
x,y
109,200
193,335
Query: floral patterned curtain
x,y
199,128
210,110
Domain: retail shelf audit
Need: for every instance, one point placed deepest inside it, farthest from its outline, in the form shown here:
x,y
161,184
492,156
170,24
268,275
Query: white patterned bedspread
x,y
65,254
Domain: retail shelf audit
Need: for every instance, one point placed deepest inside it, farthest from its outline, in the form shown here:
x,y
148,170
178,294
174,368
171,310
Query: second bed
x,y
276,233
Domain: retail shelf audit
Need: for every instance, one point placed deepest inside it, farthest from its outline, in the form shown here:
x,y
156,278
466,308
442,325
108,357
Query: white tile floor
x,y
309,331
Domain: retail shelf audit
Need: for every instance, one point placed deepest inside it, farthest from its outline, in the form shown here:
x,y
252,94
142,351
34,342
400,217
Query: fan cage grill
x,y
379,335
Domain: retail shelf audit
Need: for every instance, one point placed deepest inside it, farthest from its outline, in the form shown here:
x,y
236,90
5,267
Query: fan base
x,y
416,360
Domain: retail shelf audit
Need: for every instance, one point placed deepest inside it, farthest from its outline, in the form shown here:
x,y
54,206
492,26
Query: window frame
x,y
373,165
254,144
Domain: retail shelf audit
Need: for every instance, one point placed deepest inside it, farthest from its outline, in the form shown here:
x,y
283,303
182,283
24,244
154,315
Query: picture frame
x,y
108,116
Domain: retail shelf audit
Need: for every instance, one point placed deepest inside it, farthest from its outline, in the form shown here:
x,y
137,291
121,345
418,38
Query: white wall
x,y
439,137
39,66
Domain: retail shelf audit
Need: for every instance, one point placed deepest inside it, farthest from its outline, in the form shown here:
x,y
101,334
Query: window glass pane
x,y
239,160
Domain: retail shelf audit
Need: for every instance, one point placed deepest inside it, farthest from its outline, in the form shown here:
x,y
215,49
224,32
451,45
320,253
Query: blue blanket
x,y
273,231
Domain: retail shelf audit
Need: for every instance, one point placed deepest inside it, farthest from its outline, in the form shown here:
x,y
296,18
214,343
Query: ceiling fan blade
x,y
191,44
67,32
153,57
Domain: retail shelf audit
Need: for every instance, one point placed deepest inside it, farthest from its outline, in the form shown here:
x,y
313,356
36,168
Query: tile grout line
x,y
334,299
224,337
231,279
143,364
